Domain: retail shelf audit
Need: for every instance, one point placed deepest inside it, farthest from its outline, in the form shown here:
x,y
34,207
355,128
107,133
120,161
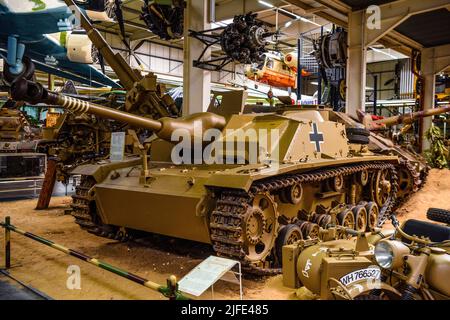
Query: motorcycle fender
x,y
364,288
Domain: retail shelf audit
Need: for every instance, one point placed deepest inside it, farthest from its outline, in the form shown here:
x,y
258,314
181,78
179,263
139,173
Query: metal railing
x,y
169,291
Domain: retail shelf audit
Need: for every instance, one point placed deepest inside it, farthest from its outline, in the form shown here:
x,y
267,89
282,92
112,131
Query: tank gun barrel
x,y
411,117
24,90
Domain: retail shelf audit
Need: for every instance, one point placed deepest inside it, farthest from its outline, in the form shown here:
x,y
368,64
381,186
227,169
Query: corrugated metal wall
x,y
406,80
164,59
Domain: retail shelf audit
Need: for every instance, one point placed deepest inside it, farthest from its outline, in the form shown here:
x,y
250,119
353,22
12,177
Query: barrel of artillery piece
x,y
24,90
125,73
411,117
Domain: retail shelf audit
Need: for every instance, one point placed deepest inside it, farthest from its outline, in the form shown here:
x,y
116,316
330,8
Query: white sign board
x,y
117,146
205,275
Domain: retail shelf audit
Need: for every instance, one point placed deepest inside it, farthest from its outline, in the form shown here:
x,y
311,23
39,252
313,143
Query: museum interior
x,y
224,150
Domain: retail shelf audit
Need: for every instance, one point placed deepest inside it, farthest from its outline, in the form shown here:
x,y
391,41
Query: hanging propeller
x,y
115,8
132,52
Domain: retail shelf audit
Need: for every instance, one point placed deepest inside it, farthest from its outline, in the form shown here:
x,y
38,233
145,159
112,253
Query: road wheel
x,y
289,234
372,215
360,214
346,218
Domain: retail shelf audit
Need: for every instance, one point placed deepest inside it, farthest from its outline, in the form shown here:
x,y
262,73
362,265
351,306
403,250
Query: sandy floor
x,y
435,194
156,259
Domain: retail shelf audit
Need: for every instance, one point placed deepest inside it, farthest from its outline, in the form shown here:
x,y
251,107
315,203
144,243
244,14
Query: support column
x,y
361,36
196,82
434,61
356,63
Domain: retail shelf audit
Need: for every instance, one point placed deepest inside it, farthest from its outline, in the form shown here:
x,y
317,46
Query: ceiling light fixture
x,y
266,4
297,17
385,53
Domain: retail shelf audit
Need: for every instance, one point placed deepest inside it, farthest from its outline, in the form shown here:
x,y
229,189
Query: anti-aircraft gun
x,y
268,179
75,140
144,96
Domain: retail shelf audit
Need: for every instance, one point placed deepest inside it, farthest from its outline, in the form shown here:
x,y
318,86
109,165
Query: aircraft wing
x,y
66,75
50,53
3,9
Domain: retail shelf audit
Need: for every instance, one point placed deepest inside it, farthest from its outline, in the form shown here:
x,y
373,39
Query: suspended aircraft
x,y
39,34
277,70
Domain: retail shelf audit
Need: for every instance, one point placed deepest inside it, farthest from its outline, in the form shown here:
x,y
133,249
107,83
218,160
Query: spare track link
x,y
227,218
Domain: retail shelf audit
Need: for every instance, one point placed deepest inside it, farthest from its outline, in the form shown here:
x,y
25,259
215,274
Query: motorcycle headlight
x,y
389,254
384,255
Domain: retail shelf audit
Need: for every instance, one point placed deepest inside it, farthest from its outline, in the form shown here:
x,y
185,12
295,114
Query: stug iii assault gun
x,y
306,173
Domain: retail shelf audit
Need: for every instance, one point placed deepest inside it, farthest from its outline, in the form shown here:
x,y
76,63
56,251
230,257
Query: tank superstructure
x,y
307,175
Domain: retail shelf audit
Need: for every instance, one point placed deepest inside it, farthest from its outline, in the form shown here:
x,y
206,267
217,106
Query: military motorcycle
x,y
411,262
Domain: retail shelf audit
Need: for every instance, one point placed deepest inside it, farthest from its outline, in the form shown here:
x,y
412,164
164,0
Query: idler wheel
x,y
360,214
405,183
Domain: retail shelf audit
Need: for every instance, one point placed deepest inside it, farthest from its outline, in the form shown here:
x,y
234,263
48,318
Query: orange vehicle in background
x,y
277,71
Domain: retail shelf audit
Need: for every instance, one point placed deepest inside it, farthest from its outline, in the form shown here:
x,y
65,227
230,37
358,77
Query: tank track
x,y
227,218
81,205
231,206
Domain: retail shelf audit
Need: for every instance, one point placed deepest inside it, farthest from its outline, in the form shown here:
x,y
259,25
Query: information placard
x,y
205,275
117,146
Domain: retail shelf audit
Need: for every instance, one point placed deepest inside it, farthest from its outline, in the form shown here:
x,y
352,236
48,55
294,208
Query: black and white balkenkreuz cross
x,y
316,137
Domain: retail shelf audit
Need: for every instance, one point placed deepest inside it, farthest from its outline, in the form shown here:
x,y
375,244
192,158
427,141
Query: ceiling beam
x,y
393,14
437,59
388,43
322,14
397,36
315,10
335,6
228,9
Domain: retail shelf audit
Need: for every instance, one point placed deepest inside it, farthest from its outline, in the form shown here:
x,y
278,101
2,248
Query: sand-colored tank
x,y
306,173
413,168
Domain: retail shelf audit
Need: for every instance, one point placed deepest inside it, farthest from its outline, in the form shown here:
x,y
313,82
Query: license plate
x,y
362,274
